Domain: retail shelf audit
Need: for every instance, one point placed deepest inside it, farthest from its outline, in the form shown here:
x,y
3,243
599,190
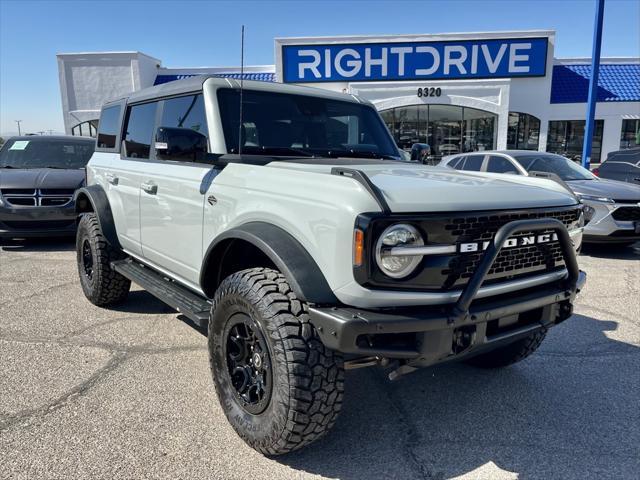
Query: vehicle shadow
x,y
618,252
569,411
141,301
54,244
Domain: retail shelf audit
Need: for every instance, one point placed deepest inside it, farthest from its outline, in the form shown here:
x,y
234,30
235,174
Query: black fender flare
x,y
94,199
299,268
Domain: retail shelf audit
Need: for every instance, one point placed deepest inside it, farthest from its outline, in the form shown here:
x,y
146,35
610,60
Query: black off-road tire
x,y
307,378
102,285
509,354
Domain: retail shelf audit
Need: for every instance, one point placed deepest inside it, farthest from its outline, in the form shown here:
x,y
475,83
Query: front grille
x,y
18,191
21,201
40,224
626,214
46,197
510,261
57,191
452,271
534,257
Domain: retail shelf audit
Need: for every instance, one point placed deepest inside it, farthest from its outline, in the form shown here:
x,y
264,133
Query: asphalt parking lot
x,y
126,393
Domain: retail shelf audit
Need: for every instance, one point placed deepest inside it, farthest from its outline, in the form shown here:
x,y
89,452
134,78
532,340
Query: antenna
x,y
241,88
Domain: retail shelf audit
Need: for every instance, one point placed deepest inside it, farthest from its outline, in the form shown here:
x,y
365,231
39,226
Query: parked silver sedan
x,y
612,208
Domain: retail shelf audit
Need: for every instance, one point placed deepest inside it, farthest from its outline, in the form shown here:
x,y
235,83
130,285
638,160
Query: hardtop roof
x,y
194,84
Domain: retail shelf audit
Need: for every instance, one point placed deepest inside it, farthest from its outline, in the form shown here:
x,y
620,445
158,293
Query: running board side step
x,y
193,306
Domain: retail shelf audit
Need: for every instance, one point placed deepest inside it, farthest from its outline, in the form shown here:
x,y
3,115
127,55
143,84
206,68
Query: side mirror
x,y
420,152
180,144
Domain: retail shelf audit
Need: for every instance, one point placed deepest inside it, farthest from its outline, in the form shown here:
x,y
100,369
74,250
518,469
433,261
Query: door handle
x,y
150,188
112,179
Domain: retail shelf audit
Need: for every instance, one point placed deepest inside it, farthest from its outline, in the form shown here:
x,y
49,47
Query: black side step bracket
x,y
193,306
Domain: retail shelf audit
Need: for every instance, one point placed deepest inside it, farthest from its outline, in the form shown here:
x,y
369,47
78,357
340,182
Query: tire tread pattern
x,y
315,373
108,286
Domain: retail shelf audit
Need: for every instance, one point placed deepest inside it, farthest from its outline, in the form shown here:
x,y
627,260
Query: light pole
x,y
593,85
18,122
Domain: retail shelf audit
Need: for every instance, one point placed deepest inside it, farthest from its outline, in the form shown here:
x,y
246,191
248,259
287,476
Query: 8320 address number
x,y
429,92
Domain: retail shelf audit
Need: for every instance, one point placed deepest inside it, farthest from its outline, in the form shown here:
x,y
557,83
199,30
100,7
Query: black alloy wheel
x,y
248,363
87,259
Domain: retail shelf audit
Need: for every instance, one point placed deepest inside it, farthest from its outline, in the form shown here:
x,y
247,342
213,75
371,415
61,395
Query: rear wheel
x,y
278,385
509,354
100,283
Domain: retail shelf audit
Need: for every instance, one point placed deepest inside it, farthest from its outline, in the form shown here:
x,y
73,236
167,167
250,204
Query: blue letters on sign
x,y
523,57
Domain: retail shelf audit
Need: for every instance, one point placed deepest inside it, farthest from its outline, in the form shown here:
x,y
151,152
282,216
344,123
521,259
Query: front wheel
x,y
101,284
278,385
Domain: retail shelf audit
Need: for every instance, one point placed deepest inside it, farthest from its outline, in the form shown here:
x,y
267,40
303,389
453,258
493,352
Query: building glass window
x,y
85,129
478,127
523,132
448,129
566,137
630,135
139,130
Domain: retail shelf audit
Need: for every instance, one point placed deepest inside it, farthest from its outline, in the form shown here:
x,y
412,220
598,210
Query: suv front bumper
x,y
607,225
428,335
21,222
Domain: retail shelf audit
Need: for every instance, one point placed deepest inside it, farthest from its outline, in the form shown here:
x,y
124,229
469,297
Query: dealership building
x,y
456,92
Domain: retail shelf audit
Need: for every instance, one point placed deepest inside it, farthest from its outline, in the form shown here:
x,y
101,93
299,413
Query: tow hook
x,y
463,338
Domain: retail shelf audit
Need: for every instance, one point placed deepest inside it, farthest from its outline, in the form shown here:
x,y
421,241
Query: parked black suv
x,y
38,177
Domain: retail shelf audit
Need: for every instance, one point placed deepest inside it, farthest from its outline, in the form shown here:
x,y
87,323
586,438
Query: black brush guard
x,y
437,328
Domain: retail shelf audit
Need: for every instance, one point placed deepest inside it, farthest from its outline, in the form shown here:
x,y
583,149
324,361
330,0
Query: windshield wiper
x,y
360,154
278,151
6,166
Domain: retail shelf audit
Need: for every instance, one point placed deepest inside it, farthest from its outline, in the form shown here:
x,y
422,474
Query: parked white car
x,y
612,208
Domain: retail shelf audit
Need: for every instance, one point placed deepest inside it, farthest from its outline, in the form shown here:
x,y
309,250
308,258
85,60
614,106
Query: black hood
x,y
41,178
603,187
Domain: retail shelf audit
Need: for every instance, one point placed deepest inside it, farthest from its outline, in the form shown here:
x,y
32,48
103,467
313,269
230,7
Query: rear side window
x,y
500,165
473,163
457,163
139,130
108,127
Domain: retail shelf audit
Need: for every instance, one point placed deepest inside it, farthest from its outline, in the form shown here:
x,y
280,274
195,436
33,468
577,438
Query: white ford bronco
x,y
283,220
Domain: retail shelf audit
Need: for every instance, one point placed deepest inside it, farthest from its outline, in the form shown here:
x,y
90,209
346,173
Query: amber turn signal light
x,y
358,247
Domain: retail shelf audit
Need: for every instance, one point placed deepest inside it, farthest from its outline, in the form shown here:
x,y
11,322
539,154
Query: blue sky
x,y
206,33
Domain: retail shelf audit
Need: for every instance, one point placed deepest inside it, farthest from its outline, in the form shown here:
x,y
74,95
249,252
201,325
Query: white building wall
x,y
88,80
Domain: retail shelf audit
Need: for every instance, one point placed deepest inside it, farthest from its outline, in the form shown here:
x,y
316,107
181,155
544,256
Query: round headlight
x,y
399,235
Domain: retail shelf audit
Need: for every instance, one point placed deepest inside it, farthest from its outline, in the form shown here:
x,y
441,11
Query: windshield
x,y
50,153
549,163
303,126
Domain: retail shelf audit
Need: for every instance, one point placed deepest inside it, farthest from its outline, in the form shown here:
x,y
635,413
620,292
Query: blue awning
x,y
616,83
262,77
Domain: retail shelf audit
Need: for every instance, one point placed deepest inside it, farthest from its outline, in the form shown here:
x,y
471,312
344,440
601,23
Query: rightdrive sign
x,y
490,58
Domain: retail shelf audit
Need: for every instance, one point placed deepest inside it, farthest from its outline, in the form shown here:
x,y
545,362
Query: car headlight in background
x,y
589,212
399,235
